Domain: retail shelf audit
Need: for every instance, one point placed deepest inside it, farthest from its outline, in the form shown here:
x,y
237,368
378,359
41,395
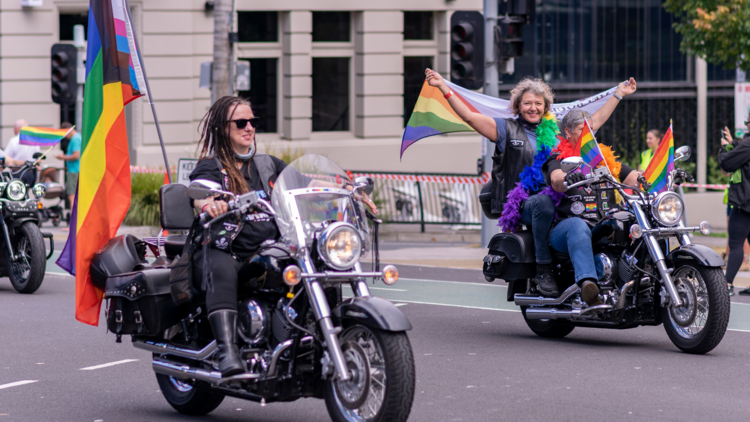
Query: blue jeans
x,y
539,212
573,237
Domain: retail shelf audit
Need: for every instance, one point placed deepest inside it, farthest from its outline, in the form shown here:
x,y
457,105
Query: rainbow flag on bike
x,y
41,136
114,78
588,149
661,164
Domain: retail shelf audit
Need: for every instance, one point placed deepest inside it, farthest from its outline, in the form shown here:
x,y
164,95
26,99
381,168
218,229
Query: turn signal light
x,y
705,227
292,275
636,231
390,274
39,205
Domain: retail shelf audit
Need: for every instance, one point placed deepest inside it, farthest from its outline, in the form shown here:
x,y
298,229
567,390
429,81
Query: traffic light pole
x,y
79,41
491,88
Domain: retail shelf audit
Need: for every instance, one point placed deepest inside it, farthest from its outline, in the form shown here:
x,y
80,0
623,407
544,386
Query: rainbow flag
x,y
113,79
433,114
588,149
661,164
41,136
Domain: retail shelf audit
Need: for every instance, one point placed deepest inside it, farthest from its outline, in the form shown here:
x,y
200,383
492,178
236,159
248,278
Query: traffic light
x,y
63,57
467,49
525,10
510,40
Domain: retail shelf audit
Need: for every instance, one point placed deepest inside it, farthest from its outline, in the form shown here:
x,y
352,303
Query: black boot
x,y
545,280
590,293
224,326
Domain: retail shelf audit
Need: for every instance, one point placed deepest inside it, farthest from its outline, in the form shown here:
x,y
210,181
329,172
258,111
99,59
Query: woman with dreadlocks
x,y
228,156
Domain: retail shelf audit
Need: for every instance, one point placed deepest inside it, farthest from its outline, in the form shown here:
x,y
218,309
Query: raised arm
x,y
601,115
484,125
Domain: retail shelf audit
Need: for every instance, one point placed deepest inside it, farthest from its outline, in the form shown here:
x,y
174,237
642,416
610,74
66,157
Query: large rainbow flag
x,y
41,136
661,164
433,114
588,149
113,78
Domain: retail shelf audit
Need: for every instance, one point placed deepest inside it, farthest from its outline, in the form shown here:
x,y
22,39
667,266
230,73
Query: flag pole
x,y
597,146
148,92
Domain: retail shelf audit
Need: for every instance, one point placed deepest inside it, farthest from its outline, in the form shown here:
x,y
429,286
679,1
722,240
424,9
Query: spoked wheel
x,y
26,272
388,385
549,328
187,399
700,323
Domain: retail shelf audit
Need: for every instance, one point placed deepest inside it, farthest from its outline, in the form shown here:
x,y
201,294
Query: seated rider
x,y
581,208
515,147
228,156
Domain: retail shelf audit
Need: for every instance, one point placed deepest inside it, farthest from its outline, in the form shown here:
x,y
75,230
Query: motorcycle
x,y
645,281
297,333
23,243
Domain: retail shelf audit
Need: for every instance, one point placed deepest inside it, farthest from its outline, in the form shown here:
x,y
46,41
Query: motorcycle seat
x,y
173,245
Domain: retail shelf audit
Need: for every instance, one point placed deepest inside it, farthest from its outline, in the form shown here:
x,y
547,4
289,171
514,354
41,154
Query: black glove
x,y
572,178
644,183
680,176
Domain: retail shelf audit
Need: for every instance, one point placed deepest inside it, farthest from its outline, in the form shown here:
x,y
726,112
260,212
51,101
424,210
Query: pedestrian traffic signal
x,y
467,49
63,77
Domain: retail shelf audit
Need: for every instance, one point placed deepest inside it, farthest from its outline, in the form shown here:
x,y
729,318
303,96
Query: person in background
x,y
734,158
72,161
17,151
653,137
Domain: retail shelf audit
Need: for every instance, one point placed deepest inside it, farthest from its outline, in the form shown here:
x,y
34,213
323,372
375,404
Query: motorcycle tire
x,y
710,287
187,399
55,222
548,328
390,356
26,273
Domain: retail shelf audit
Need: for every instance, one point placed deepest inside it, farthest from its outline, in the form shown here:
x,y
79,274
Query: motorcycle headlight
x,y
39,191
16,190
668,208
340,245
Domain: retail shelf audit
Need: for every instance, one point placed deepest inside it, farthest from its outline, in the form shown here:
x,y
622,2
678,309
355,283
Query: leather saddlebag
x,y
511,256
140,302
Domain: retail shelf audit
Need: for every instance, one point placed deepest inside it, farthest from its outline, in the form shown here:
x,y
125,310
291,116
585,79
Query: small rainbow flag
x,y
661,164
41,136
588,149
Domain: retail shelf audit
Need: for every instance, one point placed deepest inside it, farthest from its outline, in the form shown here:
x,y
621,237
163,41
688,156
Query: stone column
x,y
378,69
297,71
443,63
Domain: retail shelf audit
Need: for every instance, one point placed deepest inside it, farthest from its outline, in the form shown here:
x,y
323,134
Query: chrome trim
x,y
345,274
168,349
623,292
672,230
655,205
360,287
554,313
607,269
327,232
277,351
187,372
529,300
15,182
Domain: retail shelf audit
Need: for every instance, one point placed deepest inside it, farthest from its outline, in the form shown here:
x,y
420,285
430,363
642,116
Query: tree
x,y
716,30
220,69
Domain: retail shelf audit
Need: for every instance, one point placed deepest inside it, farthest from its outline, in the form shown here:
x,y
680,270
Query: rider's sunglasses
x,y
746,123
241,123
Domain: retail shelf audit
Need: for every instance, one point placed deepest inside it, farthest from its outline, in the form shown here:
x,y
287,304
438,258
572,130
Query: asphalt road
x,y
476,361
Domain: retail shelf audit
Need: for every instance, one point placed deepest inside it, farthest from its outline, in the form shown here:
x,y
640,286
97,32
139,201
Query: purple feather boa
x,y
511,218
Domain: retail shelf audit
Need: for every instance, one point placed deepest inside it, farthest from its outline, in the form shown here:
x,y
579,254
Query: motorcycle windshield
x,y
309,192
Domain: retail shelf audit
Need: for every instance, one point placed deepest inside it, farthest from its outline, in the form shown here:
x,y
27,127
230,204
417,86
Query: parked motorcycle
x,y
25,255
297,334
644,282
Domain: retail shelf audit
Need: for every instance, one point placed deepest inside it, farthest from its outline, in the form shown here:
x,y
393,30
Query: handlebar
x,y
239,205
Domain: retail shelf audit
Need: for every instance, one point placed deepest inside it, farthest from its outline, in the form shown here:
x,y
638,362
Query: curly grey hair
x,y
575,118
535,86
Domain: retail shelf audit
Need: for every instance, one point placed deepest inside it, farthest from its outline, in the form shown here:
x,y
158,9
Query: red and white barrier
x,y
696,185
466,180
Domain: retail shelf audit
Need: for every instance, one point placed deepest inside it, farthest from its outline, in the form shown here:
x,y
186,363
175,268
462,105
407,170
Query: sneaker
x,y
545,280
731,289
590,293
745,292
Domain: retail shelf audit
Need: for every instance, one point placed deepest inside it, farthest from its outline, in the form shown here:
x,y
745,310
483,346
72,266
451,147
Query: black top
x,y
590,202
257,227
738,158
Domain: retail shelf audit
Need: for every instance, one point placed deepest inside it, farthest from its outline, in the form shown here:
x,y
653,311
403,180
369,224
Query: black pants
x,y
739,230
224,271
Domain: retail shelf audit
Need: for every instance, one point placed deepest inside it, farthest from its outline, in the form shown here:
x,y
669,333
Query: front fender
x,y
691,253
372,312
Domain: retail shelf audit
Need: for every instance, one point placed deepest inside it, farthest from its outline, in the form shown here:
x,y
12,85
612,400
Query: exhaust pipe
x,y
529,300
549,313
169,349
623,293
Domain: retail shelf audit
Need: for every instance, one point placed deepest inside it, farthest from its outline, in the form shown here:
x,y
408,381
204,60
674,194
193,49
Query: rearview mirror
x,y
364,184
571,164
37,155
202,189
682,153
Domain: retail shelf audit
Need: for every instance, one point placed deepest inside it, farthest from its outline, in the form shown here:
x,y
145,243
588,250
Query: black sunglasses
x,y
746,123
241,123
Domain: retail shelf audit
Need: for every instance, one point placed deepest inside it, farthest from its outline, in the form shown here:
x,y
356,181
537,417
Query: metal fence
x,y
418,198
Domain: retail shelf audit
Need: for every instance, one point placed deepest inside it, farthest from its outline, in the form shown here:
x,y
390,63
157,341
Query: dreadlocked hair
x,y
215,140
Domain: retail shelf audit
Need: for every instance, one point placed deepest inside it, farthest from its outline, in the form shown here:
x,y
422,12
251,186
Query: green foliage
x,y
286,154
718,30
715,175
144,199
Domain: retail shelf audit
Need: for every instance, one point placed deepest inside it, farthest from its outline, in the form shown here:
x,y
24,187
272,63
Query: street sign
x,y
741,107
185,166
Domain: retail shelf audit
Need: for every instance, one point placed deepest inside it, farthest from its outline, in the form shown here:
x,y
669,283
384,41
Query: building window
x,y
69,20
258,26
330,94
413,79
263,93
418,26
331,27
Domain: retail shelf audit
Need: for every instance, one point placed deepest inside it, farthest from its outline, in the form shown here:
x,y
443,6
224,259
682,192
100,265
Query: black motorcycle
x,y
24,257
644,282
298,335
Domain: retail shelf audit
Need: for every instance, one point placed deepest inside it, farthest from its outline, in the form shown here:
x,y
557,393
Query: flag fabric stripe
x,y
661,164
41,136
103,193
431,100
588,149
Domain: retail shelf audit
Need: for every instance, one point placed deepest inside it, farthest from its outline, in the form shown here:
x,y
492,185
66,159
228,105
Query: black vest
x,y
506,167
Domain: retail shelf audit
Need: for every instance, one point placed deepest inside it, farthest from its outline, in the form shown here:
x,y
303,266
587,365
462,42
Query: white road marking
x,y
400,304
104,365
389,289
17,383
488,284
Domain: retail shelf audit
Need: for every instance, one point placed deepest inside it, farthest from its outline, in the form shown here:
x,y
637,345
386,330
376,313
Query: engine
x,y
252,321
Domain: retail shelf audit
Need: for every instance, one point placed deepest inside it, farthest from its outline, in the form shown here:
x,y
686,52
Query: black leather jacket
x,y
507,166
738,158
